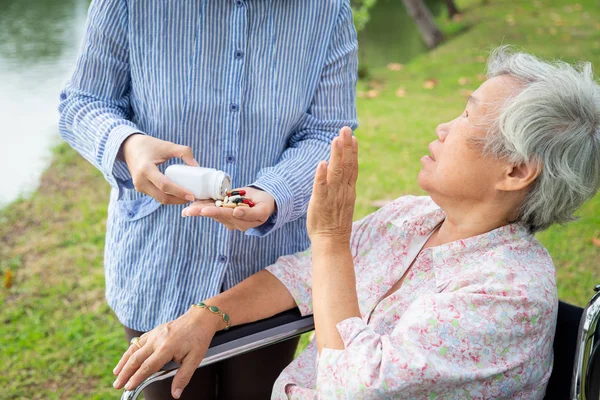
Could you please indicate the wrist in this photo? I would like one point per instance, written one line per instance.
(210, 316)
(123, 149)
(329, 245)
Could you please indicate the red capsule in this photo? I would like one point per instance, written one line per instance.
(249, 202)
(236, 192)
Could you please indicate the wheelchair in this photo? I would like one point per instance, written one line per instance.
(575, 374)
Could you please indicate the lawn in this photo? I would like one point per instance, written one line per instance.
(60, 340)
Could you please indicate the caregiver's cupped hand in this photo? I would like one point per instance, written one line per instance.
(142, 154)
(331, 205)
(184, 340)
(241, 218)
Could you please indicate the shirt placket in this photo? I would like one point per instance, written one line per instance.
(237, 56)
(237, 49)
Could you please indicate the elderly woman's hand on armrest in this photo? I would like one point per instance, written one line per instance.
(186, 339)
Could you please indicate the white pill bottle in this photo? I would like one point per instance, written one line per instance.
(204, 183)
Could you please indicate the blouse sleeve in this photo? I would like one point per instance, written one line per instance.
(467, 344)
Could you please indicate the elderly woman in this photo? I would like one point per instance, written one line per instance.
(448, 296)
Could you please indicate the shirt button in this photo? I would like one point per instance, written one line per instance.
(130, 214)
(239, 3)
(230, 159)
(222, 259)
(239, 54)
(234, 107)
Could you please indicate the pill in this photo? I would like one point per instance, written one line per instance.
(243, 205)
(218, 203)
(229, 205)
(249, 202)
(236, 192)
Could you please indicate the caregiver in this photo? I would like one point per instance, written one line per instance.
(258, 89)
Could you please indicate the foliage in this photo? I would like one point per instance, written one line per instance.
(360, 9)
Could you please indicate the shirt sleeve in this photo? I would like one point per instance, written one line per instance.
(333, 107)
(95, 115)
(465, 344)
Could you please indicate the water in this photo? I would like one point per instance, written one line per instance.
(39, 40)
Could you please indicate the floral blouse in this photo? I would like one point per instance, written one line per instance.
(474, 318)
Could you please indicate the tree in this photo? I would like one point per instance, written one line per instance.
(452, 9)
(432, 36)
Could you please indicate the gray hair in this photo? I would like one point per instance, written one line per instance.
(553, 120)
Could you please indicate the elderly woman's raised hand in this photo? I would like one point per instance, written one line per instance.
(331, 206)
(184, 340)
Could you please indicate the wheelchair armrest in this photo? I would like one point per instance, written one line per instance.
(239, 340)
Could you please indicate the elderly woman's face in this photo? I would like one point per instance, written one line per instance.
(456, 168)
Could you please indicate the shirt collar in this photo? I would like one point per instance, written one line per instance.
(449, 260)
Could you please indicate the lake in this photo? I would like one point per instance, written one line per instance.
(39, 40)
(38, 47)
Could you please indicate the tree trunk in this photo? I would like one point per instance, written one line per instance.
(452, 9)
(422, 16)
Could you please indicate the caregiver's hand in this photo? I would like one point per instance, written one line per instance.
(142, 154)
(241, 218)
(331, 205)
(184, 341)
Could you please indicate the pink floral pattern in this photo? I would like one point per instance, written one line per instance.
(474, 318)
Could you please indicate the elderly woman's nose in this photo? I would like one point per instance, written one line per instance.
(442, 131)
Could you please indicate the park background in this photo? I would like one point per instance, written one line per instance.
(58, 338)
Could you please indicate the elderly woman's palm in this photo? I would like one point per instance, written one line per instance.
(331, 206)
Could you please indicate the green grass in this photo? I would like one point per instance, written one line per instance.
(60, 340)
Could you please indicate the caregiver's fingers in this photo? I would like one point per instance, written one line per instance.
(151, 365)
(259, 213)
(194, 209)
(167, 186)
(223, 216)
(184, 374)
(334, 171)
(133, 363)
(161, 197)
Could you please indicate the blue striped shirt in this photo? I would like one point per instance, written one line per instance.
(257, 88)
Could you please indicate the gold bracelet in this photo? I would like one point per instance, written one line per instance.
(215, 310)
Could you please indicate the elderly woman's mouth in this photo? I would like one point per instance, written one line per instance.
(430, 156)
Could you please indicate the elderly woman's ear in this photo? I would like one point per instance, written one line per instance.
(518, 177)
